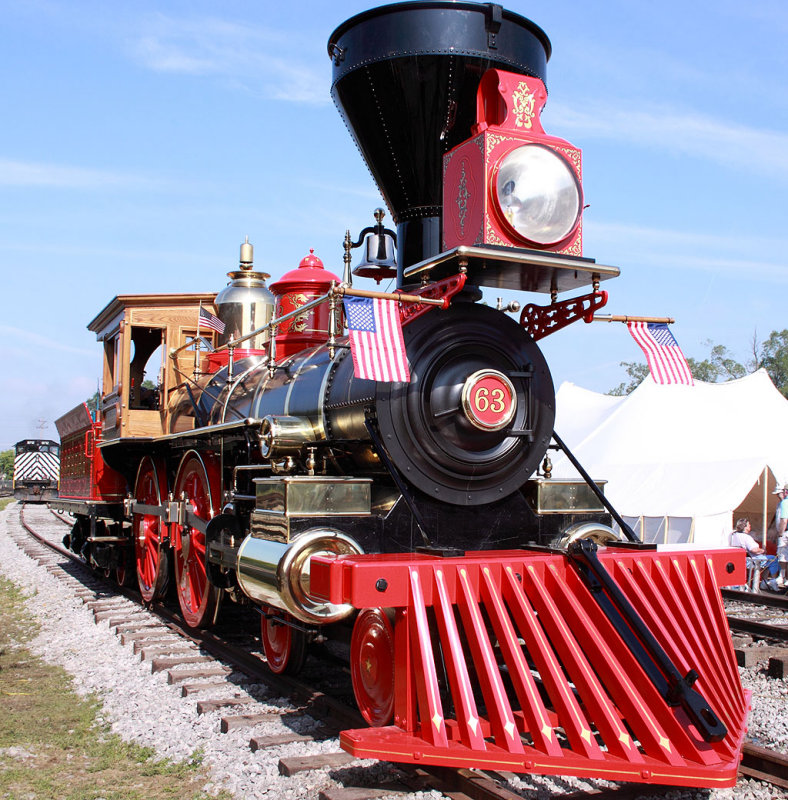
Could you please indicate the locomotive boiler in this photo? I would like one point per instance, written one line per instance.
(496, 617)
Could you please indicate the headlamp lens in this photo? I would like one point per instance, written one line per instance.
(539, 194)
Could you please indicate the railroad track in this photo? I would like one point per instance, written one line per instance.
(759, 614)
(221, 672)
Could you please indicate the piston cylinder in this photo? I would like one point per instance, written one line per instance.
(277, 573)
(284, 435)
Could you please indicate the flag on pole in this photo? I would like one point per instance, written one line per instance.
(208, 320)
(664, 356)
(376, 339)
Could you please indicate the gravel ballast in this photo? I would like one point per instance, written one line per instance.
(142, 707)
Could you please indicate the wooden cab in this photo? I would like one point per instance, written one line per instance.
(139, 332)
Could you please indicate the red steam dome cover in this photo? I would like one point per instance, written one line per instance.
(309, 270)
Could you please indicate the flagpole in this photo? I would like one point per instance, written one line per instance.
(765, 524)
(197, 337)
(620, 318)
(666, 362)
(346, 291)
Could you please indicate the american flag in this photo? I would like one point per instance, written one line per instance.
(208, 320)
(376, 339)
(664, 356)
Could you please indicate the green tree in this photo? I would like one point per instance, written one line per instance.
(7, 463)
(774, 359)
(719, 366)
(637, 371)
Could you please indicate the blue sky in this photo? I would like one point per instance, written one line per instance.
(141, 142)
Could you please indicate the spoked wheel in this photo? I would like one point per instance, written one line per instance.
(150, 553)
(284, 646)
(198, 483)
(372, 666)
(123, 573)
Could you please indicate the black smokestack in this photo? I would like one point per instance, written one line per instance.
(405, 80)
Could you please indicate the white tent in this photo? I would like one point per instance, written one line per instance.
(680, 461)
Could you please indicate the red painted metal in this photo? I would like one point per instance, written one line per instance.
(541, 321)
(504, 660)
(150, 531)
(221, 358)
(296, 288)
(444, 289)
(198, 482)
(83, 473)
(284, 646)
(372, 666)
(508, 116)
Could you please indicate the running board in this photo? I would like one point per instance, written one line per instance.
(509, 661)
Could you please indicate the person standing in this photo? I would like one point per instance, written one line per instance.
(781, 524)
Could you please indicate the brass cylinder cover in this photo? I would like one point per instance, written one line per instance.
(284, 435)
(277, 573)
(595, 531)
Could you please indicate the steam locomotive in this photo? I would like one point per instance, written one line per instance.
(497, 617)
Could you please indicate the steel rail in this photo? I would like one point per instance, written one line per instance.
(758, 763)
(756, 598)
(332, 712)
(762, 629)
(764, 765)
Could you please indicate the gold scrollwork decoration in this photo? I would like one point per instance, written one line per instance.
(524, 106)
(299, 323)
(493, 140)
(573, 155)
(492, 236)
(462, 200)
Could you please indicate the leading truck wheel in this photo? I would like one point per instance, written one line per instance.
(372, 666)
(283, 645)
(123, 574)
(150, 553)
(198, 483)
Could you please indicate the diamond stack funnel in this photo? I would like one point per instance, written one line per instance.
(404, 79)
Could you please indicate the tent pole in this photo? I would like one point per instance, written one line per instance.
(765, 503)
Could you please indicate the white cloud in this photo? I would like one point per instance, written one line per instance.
(59, 176)
(716, 253)
(648, 237)
(259, 60)
(22, 341)
(735, 146)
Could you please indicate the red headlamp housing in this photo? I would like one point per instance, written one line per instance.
(511, 184)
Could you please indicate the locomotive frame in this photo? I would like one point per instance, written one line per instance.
(495, 617)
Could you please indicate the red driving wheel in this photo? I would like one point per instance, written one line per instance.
(151, 556)
(372, 666)
(198, 483)
(284, 646)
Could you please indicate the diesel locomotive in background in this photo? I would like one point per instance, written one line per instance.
(36, 470)
(495, 616)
